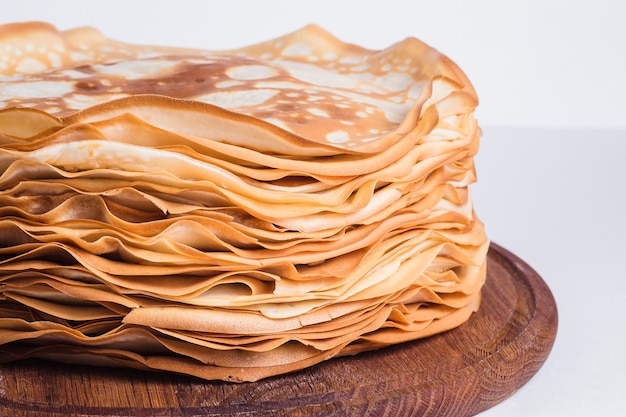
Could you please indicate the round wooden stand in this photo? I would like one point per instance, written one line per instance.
(457, 373)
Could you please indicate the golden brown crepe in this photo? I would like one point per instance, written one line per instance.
(231, 215)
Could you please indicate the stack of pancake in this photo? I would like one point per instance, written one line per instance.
(236, 214)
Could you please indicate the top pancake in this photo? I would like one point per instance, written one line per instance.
(319, 92)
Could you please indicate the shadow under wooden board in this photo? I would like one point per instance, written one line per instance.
(457, 374)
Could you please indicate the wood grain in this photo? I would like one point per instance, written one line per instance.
(457, 373)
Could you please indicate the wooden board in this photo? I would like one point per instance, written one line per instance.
(457, 373)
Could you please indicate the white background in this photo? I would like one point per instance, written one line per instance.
(551, 80)
(534, 62)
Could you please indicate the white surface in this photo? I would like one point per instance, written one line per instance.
(557, 199)
(533, 62)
